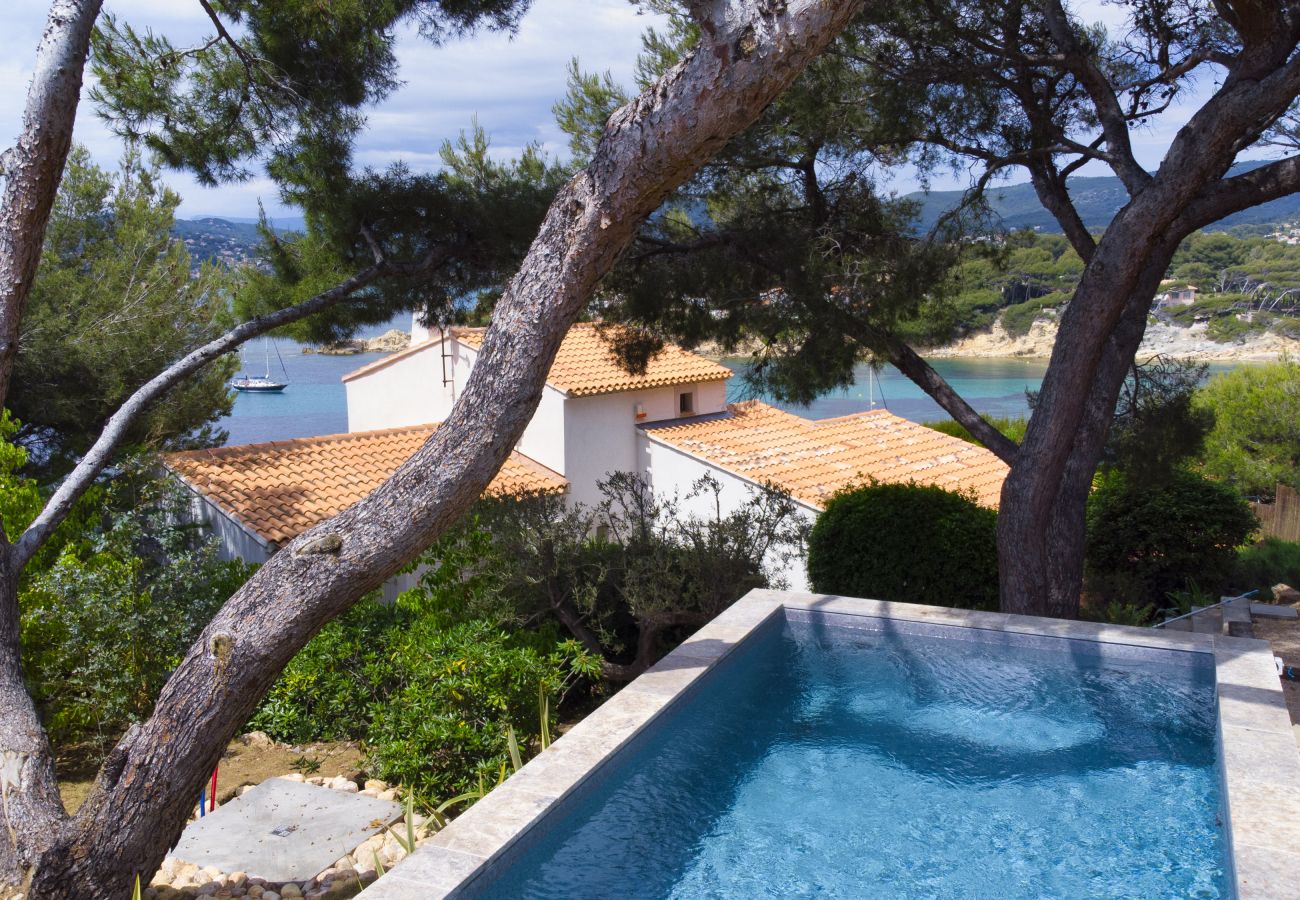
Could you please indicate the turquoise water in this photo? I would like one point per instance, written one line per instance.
(315, 402)
(831, 762)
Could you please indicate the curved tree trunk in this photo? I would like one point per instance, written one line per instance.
(32, 168)
(144, 791)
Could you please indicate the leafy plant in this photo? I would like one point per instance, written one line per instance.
(308, 765)
(1147, 540)
(106, 620)
(1012, 428)
(1269, 562)
(906, 542)
(1255, 442)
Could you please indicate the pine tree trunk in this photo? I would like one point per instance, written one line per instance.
(1042, 517)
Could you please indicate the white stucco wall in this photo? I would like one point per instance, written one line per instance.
(408, 391)
(600, 433)
(670, 471)
(547, 435)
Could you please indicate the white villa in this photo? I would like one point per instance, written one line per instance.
(671, 425)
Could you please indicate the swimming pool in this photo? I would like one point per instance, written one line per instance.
(834, 747)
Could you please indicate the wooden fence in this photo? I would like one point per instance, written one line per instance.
(1281, 518)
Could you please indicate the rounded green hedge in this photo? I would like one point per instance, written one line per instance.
(906, 542)
(1146, 540)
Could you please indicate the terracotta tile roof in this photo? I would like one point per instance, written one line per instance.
(814, 459)
(585, 364)
(278, 490)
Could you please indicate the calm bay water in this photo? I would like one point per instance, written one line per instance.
(315, 402)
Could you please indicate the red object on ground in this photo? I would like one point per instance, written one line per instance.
(212, 794)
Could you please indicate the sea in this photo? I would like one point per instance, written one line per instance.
(315, 402)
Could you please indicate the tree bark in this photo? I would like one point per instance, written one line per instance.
(651, 146)
(33, 167)
(1041, 516)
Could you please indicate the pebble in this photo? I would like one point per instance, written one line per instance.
(176, 879)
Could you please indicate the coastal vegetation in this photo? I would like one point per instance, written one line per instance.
(1245, 286)
(1255, 442)
(734, 197)
(523, 612)
(907, 543)
(787, 241)
(281, 88)
(116, 299)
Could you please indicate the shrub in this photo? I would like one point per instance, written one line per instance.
(106, 622)
(431, 682)
(445, 729)
(1265, 564)
(1255, 442)
(1146, 540)
(906, 542)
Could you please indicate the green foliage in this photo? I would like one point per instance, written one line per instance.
(1255, 442)
(1012, 428)
(1119, 613)
(116, 300)
(477, 214)
(432, 683)
(106, 621)
(285, 84)
(328, 691)
(437, 682)
(634, 575)
(432, 692)
(906, 542)
(1148, 539)
(466, 691)
(1261, 565)
(1157, 425)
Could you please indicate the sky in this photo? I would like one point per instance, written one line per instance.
(509, 82)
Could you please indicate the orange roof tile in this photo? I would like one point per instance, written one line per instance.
(812, 460)
(278, 490)
(586, 365)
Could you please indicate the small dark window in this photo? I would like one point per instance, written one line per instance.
(686, 403)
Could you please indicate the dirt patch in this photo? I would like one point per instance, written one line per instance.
(250, 759)
(1284, 636)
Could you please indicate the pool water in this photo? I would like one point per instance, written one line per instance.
(822, 760)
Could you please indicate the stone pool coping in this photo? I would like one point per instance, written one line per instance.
(1258, 759)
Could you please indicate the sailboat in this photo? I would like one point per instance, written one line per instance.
(263, 384)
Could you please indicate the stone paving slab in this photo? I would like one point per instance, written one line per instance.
(1269, 611)
(284, 830)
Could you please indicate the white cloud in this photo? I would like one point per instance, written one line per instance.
(508, 82)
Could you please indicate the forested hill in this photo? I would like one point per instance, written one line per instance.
(1098, 199)
(231, 240)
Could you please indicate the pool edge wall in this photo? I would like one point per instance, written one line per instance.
(1259, 766)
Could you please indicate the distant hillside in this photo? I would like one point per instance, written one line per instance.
(233, 240)
(1098, 199)
(218, 239)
